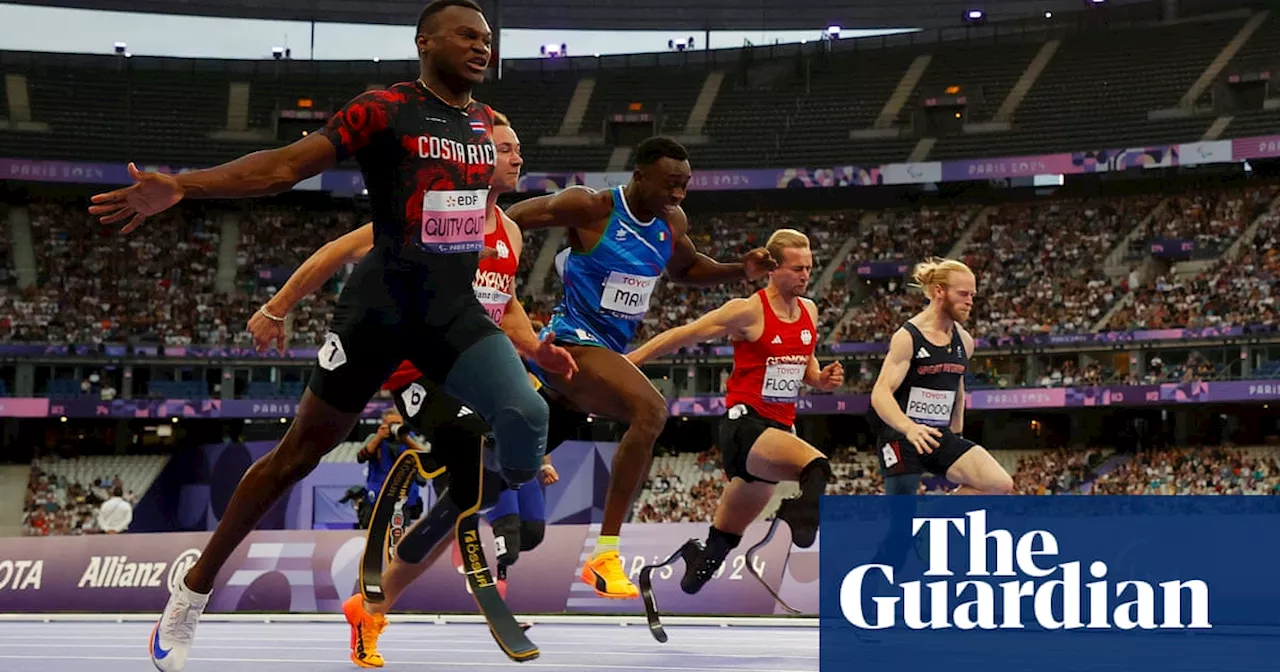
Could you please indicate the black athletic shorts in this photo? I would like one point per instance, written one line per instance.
(453, 429)
(377, 325)
(899, 457)
(739, 429)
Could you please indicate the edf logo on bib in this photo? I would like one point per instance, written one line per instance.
(464, 200)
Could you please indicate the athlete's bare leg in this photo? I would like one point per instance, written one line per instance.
(775, 456)
(609, 385)
(316, 430)
(779, 456)
(740, 505)
(399, 575)
(978, 473)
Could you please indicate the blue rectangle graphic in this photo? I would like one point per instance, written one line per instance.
(1049, 583)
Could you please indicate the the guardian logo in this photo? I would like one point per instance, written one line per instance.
(1046, 593)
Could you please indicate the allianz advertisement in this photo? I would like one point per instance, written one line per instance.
(1066, 583)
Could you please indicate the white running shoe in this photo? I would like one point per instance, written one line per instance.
(172, 637)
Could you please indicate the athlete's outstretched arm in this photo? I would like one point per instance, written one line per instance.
(258, 174)
(277, 170)
(320, 267)
(575, 207)
(731, 319)
(688, 266)
(267, 323)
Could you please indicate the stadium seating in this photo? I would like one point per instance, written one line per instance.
(1106, 82)
(788, 111)
(1040, 266)
(1231, 291)
(1260, 54)
(63, 495)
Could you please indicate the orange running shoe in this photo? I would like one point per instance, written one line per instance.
(604, 573)
(365, 629)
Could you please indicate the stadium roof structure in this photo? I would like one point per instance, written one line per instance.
(675, 15)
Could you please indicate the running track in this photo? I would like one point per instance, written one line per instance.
(32, 646)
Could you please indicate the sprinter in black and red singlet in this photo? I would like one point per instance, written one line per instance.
(919, 394)
(454, 432)
(425, 151)
(774, 334)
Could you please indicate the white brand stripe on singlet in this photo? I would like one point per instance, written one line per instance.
(622, 195)
(639, 237)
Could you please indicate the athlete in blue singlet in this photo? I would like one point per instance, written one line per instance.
(621, 241)
(607, 288)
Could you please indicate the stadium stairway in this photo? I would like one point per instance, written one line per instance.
(1004, 114)
(1211, 72)
(702, 106)
(893, 106)
(957, 250)
(13, 494)
(571, 124)
(24, 255)
(828, 273)
(1186, 269)
(1236, 248)
(1111, 464)
(1120, 304)
(225, 281)
(537, 284)
(865, 226)
(1116, 265)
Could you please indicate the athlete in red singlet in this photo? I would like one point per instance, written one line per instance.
(773, 338)
(769, 371)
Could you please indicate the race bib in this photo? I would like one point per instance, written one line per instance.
(930, 407)
(626, 295)
(453, 221)
(494, 302)
(782, 381)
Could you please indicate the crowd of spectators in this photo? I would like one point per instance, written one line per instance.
(1062, 471)
(1071, 371)
(727, 238)
(673, 497)
(1233, 291)
(160, 284)
(1213, 219)
(1040, 267)
(1055, 472)
(96, 286)
(56, 506)
(1194, 471)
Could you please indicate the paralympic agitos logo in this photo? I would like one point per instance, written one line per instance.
(1023, 579)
